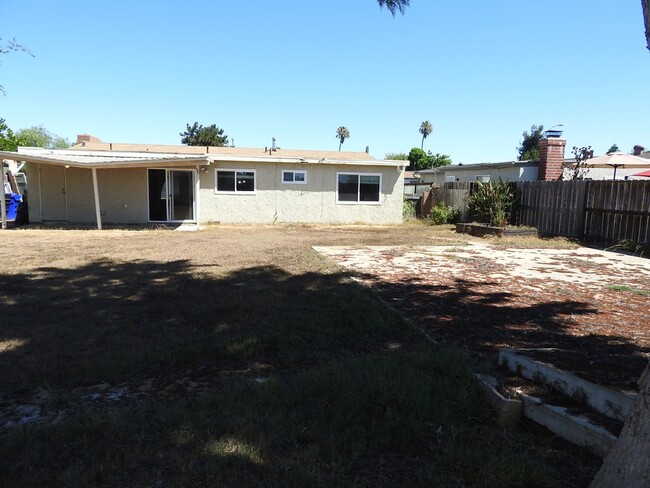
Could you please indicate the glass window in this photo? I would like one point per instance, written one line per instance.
(358, 187)
(245, 181)
(369, 188)
(235, 181)
(294, 176)
(225, 181)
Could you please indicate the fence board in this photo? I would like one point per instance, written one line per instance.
(596, 210)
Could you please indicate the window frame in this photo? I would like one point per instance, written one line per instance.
(235, 171)
(293, 182)
(358, 201)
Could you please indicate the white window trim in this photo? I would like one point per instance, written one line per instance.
(236, 170)
(294, 171)
(356, 173)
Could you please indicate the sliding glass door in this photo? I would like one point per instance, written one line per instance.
(171, 195)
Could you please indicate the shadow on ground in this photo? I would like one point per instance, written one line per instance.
(315, 383)
(484, 319)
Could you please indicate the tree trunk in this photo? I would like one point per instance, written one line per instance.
(646, 20)
(628, 463)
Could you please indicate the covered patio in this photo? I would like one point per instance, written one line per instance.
(88, 185)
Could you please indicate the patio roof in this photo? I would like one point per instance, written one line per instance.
(99, 159)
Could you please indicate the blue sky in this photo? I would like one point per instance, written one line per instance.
(480, 72)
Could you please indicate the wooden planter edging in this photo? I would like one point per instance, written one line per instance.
(487, 230)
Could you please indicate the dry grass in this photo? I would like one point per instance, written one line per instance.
(301, 376)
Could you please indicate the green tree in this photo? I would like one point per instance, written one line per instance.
(425, 129)
(10, 46)
(419, 159)
(197, 135)
(436, 160)
(613, 148)
(397, 156)
(7, 138)
(394, 5)
(342, 133)
(529, 147)
(39, 136)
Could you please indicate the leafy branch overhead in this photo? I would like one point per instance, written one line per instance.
(10, 46)
(394, 6)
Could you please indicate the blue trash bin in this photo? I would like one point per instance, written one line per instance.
(13, 200)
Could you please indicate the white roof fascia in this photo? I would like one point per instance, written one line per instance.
(296, 160)
(101, 162)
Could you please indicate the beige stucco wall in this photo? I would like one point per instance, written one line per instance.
(122, 194)
(315, 201)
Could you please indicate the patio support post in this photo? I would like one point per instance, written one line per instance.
(98, 214)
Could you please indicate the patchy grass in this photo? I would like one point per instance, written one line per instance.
(636, 291)
(532, 242)
(306, 379)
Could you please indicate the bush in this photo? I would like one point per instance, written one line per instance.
(408, 209)
(492, 203)
(442, 214)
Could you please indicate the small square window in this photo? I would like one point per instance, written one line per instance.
(299, 177)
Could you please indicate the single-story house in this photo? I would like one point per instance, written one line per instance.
(94, 181)
(552, 165)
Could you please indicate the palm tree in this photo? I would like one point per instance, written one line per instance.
(394, 5)
(342, 133)
(425, 129)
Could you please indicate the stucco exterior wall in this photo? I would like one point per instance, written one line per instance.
(315, 201)
(122, 194)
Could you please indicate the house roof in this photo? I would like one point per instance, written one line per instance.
(92, 159)
(473, 166)
(107, 155)
(241, 152)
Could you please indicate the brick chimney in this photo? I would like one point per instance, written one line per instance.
(84, 139)
(551, 158)
(638, 150)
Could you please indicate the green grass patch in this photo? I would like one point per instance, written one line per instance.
(400, 419)
(636, 291)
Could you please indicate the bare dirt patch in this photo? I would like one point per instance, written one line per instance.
(591, 302)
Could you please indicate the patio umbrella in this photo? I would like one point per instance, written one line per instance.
(643, 173)
(618, 160)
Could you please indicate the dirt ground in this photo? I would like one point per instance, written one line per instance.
(589, 306)
(483, 294)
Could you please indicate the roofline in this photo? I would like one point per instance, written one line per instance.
(138, 159)
(503, 164)
(130, 163)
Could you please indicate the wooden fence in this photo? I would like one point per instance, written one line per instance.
(611, 211)
(452, 194)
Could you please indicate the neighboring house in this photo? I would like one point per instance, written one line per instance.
(552, 165)
(137, 184)
(508, 170)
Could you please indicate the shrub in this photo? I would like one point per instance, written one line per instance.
(442, 214)
(492, 202)
(408, 209)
